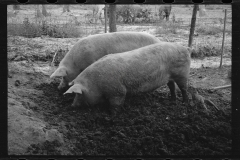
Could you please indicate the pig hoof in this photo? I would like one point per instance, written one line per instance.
(173, 101)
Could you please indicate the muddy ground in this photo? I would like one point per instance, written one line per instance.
(41, 121)
(149, 124)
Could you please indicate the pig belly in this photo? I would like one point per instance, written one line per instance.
(151, 84)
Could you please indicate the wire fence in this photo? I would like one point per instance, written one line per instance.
(84, 19)
(81, 21)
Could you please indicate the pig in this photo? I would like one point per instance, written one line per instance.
(89, 49)
(137, 71)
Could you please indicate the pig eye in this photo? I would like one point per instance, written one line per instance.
(71, 83)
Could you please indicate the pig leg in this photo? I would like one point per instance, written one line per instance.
(171, 86)
(116, 103)
(182, 84)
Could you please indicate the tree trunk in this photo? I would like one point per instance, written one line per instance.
(198, 7)
(112, 18)
(16, 7)
(66, 8)
(106, 17)
(39, 14)
(193, 22)
(44, 11)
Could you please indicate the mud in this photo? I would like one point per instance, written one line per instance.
(42, 122)
(149, 124)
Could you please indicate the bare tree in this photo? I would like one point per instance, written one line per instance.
(38, 14)
(193, 22)
(16, 7)
(66, 8)
(44, 11)
(112, 18)
(105, 17)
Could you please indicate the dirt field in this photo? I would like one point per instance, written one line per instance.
(149, 120)
(41, 120)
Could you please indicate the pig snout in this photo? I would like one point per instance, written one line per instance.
(62, 89)
(63, 86)
(77, 102)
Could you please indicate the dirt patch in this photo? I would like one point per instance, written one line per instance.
(42, 122)
(210, 77)
(25, 124)
(149, 124)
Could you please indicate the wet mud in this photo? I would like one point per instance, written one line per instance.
(148, 124)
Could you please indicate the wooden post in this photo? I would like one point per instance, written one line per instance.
(105, 16)
(44, 11)
(225, 17)
(193, 22)
(112, 18)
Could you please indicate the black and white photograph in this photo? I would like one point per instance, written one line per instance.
(119, 79)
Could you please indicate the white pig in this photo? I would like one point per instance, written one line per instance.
(140, 70)
(89, 49)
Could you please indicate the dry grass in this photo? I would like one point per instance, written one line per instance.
(31, 30)
(167, 27)
(205, 50)
(208, 30)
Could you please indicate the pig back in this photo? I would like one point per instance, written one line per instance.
(123, 41)
(91, 48)
(140, 70)
(96, 46)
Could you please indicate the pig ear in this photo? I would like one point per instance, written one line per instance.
(76, 88)
(60, 72)
(71, 83)
(189, 49)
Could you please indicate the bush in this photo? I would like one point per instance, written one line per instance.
(31, 30)
(59, 56)
(167, 27)
(61, 31)
(128, 12)
(208, 30)
(205, 50)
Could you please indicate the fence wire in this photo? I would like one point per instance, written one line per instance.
(81, 21)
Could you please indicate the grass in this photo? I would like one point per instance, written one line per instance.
(167, 27)
(208, 30)
(31, 30)
(205, 50)
(25, 30)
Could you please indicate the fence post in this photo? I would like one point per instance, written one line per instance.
(193, 22)
(105, 16)
(225, 17)
(112, 18)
